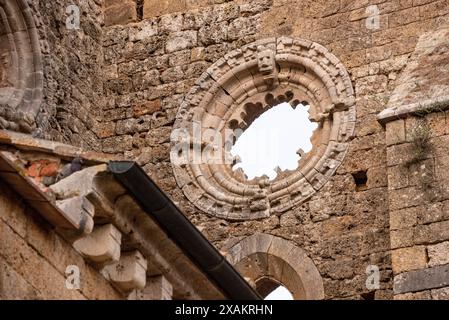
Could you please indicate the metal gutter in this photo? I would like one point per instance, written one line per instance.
(179, 229)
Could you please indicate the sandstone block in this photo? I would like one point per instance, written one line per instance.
(157, 288)
(120, 13)
(401, 238)
(145, 108)
(402, 219)
(432, 233)
(129, 273)
(395, 132)
(407, 259)
(13, 286)
(181, 40)
(102, 246)
(438, 254)
(423, 295)
(155, 8)
(440, 294)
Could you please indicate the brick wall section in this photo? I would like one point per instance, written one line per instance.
(33, 258)
(151, 65)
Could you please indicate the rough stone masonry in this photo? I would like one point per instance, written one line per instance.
(116, 85)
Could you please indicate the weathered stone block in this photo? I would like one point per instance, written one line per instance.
(432, 233)
(440, 294)
(433, 212)
(129, 273)
(395, 132)
(157, 288)
(181, 40)
(420, 280)
(197, 54)
(146, 29)
(30, 265)
(405, 218)
(407, 197)
(398, 177)
(438, 254)
(120, 13)
(102, 246)
(401, 238)
(407, 259)
(13, 286)
(155, 8)
(423, 295)
(145, 108)
(12, 211)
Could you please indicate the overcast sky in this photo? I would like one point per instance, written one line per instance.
(281, 293)
(273, 140)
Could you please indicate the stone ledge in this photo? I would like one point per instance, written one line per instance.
(420, 280)
(26, 142)
(426, 107)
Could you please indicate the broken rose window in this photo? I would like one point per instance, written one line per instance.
(263, 129)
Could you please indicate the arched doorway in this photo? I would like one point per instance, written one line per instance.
(270, 261)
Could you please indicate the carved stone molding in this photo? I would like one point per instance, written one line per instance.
(263, 256)
(21, 67)
(231, 94)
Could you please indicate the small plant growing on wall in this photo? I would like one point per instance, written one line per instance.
(420, 145)
(420, 136)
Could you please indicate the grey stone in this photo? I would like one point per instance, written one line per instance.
(419, 280)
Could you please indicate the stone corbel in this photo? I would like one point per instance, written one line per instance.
(128, 274)
(102, 246)
(80, 211)
(157, 288)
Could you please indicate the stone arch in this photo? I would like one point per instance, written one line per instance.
(230, 95)
(21, 67)
(263, 256)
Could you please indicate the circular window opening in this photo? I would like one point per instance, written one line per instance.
(275, 141)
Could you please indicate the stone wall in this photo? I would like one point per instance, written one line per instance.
(118, 89)
(151, 65)
(34, 259)
(417, 136)
(419, 207)
(73, 59)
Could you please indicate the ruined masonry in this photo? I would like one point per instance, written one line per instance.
(89, 110)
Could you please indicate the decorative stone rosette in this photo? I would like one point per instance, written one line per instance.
(230, 95)
(21, 68)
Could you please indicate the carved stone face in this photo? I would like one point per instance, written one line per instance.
(266, 61)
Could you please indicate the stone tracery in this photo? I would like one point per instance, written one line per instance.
(236, 90)
(21, 82)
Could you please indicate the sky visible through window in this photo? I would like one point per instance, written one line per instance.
(273, 139)
(280, 293)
